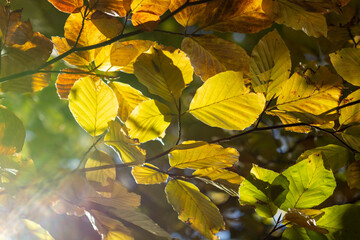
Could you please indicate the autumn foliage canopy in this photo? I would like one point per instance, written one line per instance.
(243, 122)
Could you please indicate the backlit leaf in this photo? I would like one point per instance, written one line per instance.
(66, 80)
(68, 6)
(158, 73)
(35, 231)
(108, 25)
(128, 98)
(312, 93)
(310, 183)
(197, 155)
(235, 16)
(93, 104)
(351, 136)
(128, 148)
(190, 15)
(334, 156)
(353, 175)
(224, 101)
(145, 175)
(270, 65)
(351, 114)
(300, 233)
(194, 208)
(255, 191)
(124, 54)
(347, 63)
(211, 55)
(117, 8)
(215, 173)
(104, 177)
(339, 220)
(146, 13)
(300, 218)
(12, 132)
(322, 6)
(148, 120)
(290, 14)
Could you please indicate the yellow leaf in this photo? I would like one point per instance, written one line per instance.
(12, 132)
(108, 25)
(347, 63)
(117, 8)
(224, 101)
(351, 136)
(353, 175)
(190, 15)
(158, 73)
(350, 114)
(211, 55)
(194, 208)
(93, 104)
(128, 98)
(235, 16)
(145, 175)
(322, 6)
(270, 65)
(311, 93)
(148, 120)
(124, 54)
(146, 13)
(215, 173)
(192, 154)
(104, 177)
(290, 14)
(128, 148)
(35, 231)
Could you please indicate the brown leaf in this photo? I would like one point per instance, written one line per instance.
(68, 6)
(107, 25)
(300, 218)
(117, 8)
(245, 16)
(321, 6)
(190, 15)
(66, 80)
(146, 13)
(211, 55)
(353, 175)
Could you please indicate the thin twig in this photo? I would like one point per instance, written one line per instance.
(82, 26)
(179, 123)
(89, 149)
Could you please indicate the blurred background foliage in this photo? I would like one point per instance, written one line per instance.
(55, 141)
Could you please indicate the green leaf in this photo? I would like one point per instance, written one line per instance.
(211, 55)
(300, 233)
(292, 15)
(334, 156)
(128, 148)
(197, 155)
(160, 75)
(12, 132)
(351, 136)
(347, 63)
(127, 97)
(194, 208)
(270, 65)
(350, 114)
(341, 221)
(313, 93)
(148, 120)
(256, 191)
(93, 104)
(310, 183)
(146, 175)
(353, 175)
(224, 101)
(104, 177)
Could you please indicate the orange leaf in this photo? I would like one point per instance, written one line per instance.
(66, 80)
(68, 6)
(107, 25)
(146, 13)
(117, 8)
